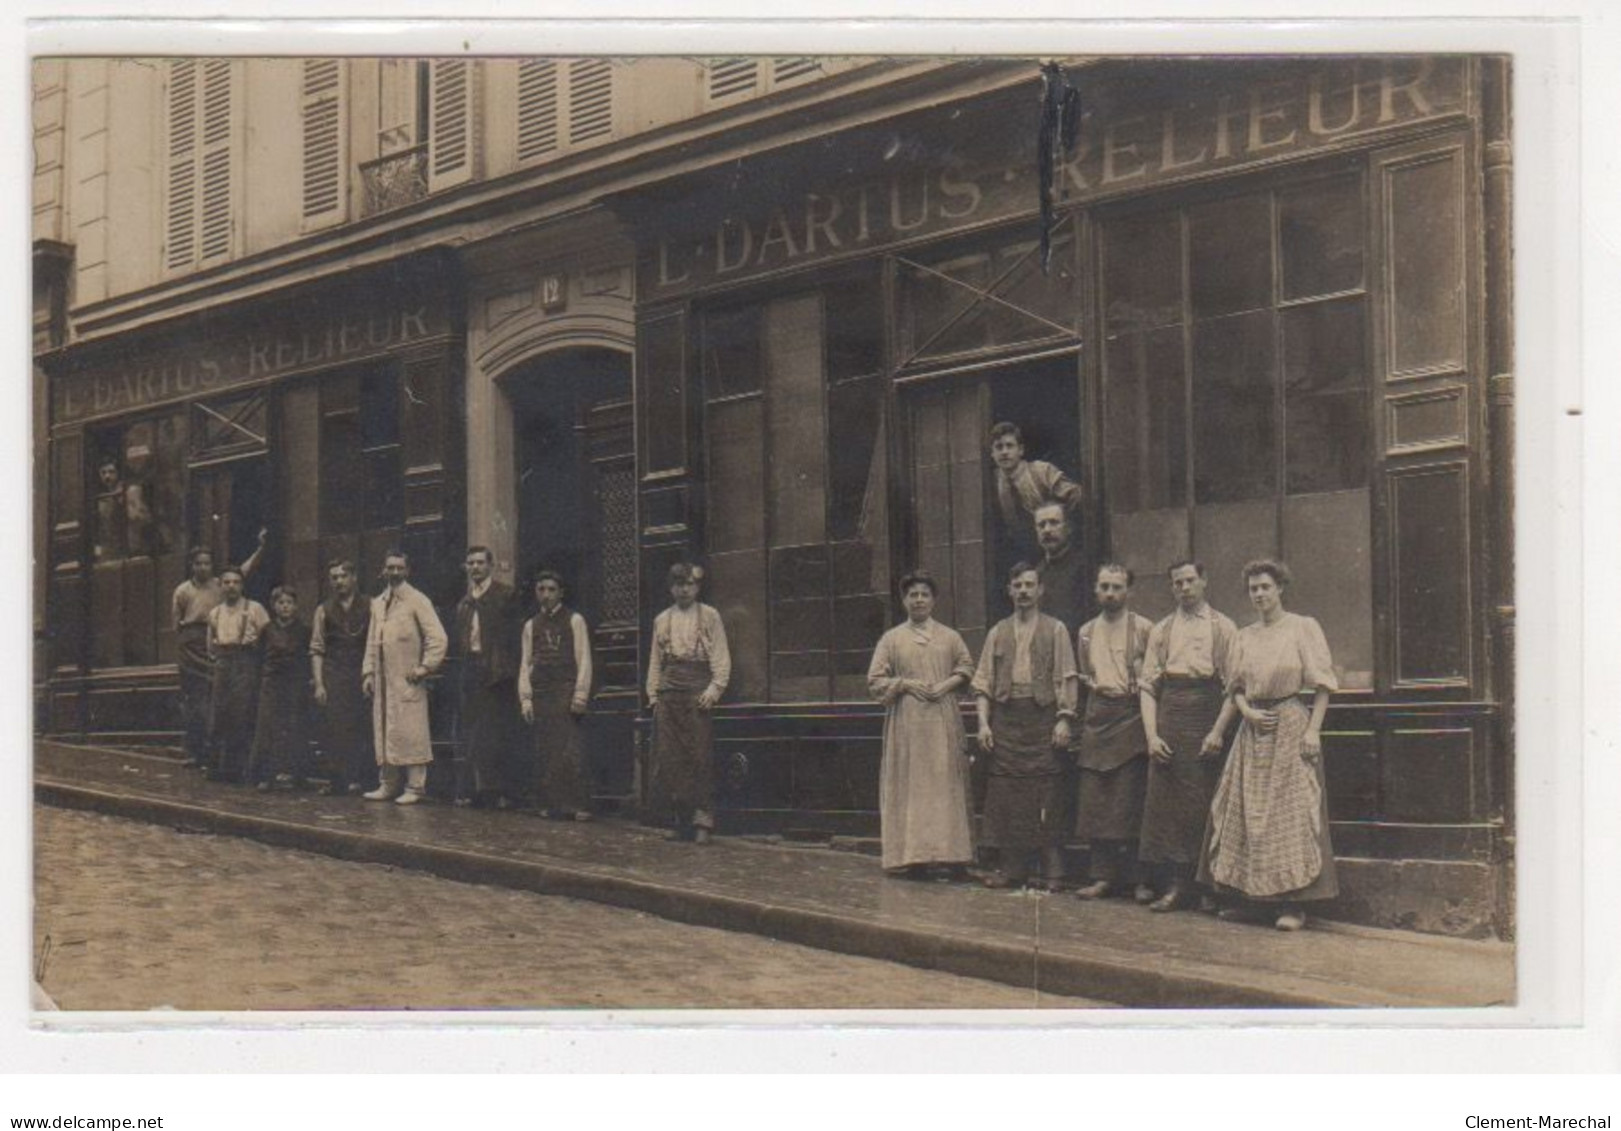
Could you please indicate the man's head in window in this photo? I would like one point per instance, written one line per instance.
(107, 472)
(1052, 529)
(1007, 446)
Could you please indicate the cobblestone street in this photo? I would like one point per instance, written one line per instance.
(134, 916)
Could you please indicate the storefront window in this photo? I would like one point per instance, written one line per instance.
(360, 453)
(797, 528)
(136, 477)
(1236, 397)
(137, 486)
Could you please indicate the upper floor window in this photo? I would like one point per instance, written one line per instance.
(200, 140)
(402, 105)
(732, 80)
(563, 104)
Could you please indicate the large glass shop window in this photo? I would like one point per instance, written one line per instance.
(797, 526)
(1236, 400)
(136, 478)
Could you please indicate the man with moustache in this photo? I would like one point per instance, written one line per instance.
(337, 651)
(487, 631)
(1113, 747)
(1061, 569)
(1182, 688)
(1024, 689)
(193, 600)
(234, 627)
(407, 645)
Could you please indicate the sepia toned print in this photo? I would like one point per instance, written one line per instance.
(1047, 524)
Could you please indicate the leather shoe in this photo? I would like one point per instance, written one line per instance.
(409, 797)
(381, 793)
(1172, 900)
(1001, 880)
(1143, 894)
(1291, 920)
(1097, 889)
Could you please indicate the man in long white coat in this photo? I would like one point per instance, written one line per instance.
(407, 646)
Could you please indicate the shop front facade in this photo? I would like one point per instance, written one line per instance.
(1271, 322)
(327, 415)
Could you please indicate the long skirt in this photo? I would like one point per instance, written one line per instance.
(923, 785)
(281, 735)
(561, 779)
(1267, 837)
(1023, 810)
(232, 709)
(681, 783)
(1178, 802)
(488, 737)
(346, 726)
(196, 680)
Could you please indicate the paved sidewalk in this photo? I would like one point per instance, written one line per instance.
(1112, 951)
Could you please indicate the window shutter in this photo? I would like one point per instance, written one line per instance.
(563, 106)
(322, 112)
(792, 69)
(539, 109)
(452, 139)
(733, 78)
(590, 98)
(180, 216)
(214, 238)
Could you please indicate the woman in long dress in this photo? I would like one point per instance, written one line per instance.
(923, 790)
(1266, 845)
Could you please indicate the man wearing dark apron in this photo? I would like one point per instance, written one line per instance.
(688, 670)
(1113, 748)
(193, 600)
(1182, 687)
(337, 650)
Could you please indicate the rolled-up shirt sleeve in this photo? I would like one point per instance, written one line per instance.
(985, 672)
(655, 661)
(1066, 681)
(582, 661)
(720, 654)
(318, 632)
(526, 694)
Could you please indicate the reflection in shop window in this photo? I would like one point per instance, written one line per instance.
(137, 477)
(1236, 397)
(798, 529)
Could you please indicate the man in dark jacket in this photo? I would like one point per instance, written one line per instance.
(486, 647)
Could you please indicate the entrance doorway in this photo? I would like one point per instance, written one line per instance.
(958, 533)
(574, 446)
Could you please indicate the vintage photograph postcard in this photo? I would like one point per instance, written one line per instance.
(816, 532)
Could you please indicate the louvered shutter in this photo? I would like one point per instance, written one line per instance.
(452, 135)
(215, 229)
(323, 148)
(539, 109)
(180, 207)
(590, 101)
(731, 79)
(793, 68)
